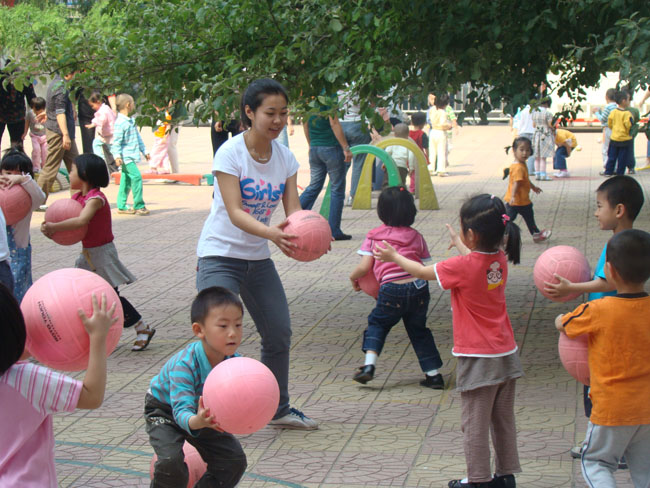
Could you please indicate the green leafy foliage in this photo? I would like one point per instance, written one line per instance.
(204, 52)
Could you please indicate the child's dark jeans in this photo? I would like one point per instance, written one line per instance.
(410, 302)
(559, 161)
(619, 154)
(221, 451)
(526, 211)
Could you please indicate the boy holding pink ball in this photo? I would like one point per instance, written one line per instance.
(32, 393)
(619, 423)
(174, 410)
(618, 202)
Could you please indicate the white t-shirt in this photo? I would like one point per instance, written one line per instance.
(525, 125)
(402, 156)
(262, 188)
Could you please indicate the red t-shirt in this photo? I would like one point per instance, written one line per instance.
(481, 324)
(100, 226)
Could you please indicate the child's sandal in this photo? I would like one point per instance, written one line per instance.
(143, 339)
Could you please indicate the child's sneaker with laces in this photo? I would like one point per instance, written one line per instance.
(295, 419)
(542, 235)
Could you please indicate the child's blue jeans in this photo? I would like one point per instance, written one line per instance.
(559, 161)
(408, 302)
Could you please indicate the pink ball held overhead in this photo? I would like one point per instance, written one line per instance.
(565, 261)
(314, 235)
(56, 335)
(242, 395)
(63, 210)
(15, 203)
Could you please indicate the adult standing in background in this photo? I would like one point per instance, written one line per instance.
(355, 134)
(59, 130)
(219, 131)
(525, 129)
(85, 115)
(13, 109)
(329, 152)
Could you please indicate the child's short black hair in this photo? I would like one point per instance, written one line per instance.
(441, 100)
(610, 93)
(418, 119)
(545, 102)
(396, 207)
(92, 169)
(486, 216)
(624, 190)
(15, 159)
(96, 97)
(620, 96)
(12, 333)
(520, 140)
(37, 103)
(629, 253)
(207, 299)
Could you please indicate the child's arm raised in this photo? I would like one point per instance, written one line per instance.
(87, 213)
(566, 287)
(97, 326)
(457, 242)
(364, 266)
(415, 269)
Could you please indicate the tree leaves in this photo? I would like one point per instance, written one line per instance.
(204, 52)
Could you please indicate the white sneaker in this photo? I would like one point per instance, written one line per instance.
(542, 236)
(348, 201)
(295, 419)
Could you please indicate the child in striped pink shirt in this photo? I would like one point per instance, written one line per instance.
(30, 394)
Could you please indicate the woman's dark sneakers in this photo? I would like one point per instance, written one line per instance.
(364, 374)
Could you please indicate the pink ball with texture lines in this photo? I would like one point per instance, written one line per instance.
(56, 335)
(369, 284)
(15, 203)
(314, 235)
(565, 261)
(195, 464)
(575, 357)
(63, 210)
(242, 395)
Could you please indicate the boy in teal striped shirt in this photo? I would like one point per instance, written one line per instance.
(174, 411)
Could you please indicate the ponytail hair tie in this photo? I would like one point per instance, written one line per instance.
(491, 197)
(505, 219)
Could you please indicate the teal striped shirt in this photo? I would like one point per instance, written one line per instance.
(180, 383)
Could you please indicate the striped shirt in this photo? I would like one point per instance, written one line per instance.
(29, 395)
(603, 115)
(180, 383)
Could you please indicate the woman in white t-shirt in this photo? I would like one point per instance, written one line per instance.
(253, 174)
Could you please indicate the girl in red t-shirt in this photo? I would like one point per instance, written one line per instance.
(88, 174)
(488, 363)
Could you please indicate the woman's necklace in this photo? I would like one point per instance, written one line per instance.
(253, 152)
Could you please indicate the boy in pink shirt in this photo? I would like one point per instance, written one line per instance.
(31, 393)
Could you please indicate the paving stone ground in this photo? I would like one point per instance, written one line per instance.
(389, 433)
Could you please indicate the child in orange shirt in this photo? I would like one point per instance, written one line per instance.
(517, 197)
(620, 419)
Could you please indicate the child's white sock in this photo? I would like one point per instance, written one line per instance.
(433, 372)
(371, 358)
(140, 326)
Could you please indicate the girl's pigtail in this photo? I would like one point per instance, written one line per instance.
(507, 148)
(512, 242)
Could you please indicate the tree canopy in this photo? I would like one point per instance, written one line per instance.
(206, 51)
